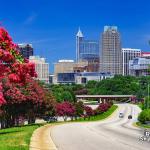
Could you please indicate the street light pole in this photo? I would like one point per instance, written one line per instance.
(148, 97)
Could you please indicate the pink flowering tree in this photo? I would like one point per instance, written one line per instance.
(20, 94)
(88, 112)
(103, 107)
(12, 64)
(65, 109)
(15, 72)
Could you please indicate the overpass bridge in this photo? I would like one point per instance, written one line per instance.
(102, 98)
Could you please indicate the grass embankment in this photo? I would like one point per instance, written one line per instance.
(142, 125)
(17, 138)
(141, 105)
(100, 116)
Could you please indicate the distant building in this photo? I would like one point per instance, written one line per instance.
(111, 54)
(145, 54)
(129, 54)
(68, 71)
(51, 78)
(81, 78)
(87, 50)
(84, 77)
(63, 66)
(26, 50)
(139, 67)
(41, 67)
(68, 66)
(66, 78)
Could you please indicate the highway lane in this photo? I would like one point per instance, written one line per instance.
(112, 134)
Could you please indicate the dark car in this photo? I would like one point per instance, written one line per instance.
(50, 119)
(130, 117)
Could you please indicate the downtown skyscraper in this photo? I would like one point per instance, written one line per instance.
(87, 50)
(111, 53)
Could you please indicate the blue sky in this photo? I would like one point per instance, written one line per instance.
(51, 25)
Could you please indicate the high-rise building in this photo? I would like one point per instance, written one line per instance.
(87, 50)
(127, 55)
(110, 54)
(41, 68)
(79, 40)
(26, 50)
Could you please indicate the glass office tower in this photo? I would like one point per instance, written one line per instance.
(87, 50)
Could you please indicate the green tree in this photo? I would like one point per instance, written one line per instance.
(67, 96)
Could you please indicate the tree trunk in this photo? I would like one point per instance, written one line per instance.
(65, 118)
(2, 124)
(31, 120)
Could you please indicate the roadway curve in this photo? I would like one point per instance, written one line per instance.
(111, 134)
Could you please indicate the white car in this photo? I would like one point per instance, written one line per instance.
(121, 115)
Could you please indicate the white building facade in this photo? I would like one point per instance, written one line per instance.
(84, 77)
(41, 67)
(127, 55)
(139, 67)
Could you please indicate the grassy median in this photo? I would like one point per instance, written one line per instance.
(100, 116)
(17, 138)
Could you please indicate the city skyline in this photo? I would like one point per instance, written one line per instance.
(73, 52)
(51, 26)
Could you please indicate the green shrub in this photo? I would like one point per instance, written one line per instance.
(79, 107)
(144, 116)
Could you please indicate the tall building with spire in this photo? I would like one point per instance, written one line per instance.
(111, 53)
(79, 40)
(87, 50)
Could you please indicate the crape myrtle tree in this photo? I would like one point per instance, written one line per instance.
(20, 95)
(65, 110)
(88, 112)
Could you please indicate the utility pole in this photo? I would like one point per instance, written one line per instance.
(148, 98)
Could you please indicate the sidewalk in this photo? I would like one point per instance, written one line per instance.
(41, 139)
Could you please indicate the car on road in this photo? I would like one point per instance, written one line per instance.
(50, 119)
(130, 117)
(121, 115)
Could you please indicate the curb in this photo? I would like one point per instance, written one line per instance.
(41, 139)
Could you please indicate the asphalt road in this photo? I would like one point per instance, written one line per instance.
(112, 134)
